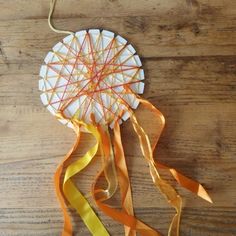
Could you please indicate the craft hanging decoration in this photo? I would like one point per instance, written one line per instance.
(91, 82)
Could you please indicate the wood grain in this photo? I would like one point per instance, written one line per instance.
(188, 50)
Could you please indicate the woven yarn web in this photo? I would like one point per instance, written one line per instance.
(92, 72)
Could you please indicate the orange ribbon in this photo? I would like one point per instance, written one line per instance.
(182, 180)
(126, 216)
(67, 229)
(115, 162)
(123, 178)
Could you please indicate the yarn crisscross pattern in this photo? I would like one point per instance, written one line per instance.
(92, 72)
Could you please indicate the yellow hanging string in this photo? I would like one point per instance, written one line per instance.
(52, 7)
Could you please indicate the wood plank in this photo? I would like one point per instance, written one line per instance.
(188, 53)
(113, 8)
(197, 102)
(171, 81)
(48, 221)
(152, 36)
(207, 149)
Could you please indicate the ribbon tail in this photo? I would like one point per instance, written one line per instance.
(108, 163)
(123, 178)
(101, 195)
(167, 190)
(182, 180)
(75, 197)
(67, 229)
(186, 182)
(126, 219)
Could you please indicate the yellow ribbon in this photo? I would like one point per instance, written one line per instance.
(71, 192)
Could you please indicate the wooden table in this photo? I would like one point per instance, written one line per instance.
(188, 50)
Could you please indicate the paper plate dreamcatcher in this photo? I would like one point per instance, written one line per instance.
(91, 82)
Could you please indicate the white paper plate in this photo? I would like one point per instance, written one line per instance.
(91, 72)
